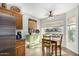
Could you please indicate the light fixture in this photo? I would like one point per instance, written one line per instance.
(50, 16)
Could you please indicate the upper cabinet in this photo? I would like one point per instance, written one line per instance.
(18, 20)
(13, 13)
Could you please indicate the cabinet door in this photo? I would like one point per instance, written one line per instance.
(18, 20)
(20, 51)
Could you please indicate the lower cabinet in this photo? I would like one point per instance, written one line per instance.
(20, 48)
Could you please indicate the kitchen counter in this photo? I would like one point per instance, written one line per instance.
(19, 39)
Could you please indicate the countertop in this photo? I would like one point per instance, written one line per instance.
(19, 39)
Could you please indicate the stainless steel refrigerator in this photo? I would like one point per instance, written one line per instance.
(7, 35)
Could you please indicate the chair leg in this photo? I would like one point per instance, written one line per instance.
(52, 49)
(48, 51)
(43, 52)
(60, 50)
(56, 49)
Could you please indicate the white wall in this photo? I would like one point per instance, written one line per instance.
(72, 45)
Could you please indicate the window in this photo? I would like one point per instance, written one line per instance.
(71, 29)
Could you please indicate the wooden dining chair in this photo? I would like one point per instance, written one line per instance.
(46, 43)
(58, 38)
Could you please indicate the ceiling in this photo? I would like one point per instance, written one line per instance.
(39, 10)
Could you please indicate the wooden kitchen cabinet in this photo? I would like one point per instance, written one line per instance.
(20, 48)
(18, 20)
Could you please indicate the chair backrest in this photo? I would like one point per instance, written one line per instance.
(46, 36)
(46, 41)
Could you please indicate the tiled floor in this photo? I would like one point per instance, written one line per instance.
(37, 51)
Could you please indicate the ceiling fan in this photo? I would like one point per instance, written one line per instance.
(50, 14)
